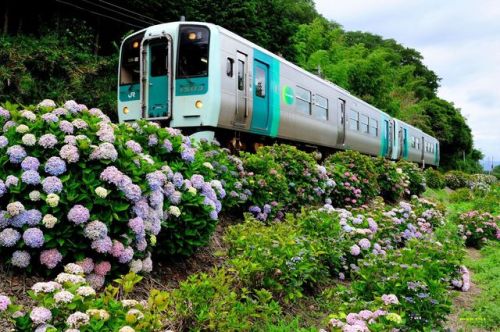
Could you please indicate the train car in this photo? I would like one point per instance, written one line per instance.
(208, 81)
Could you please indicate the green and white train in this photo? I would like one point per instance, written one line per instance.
(208, 81)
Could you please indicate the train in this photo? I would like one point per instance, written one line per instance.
(209, 82)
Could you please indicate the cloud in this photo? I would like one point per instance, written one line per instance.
(460, 41)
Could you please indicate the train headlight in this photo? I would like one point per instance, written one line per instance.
(192, 36)
(135, 44)
(125, 110)
(198, 104)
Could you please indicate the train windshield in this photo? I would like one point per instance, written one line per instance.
(130, 66)
(193, 51)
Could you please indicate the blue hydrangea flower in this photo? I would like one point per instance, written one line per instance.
(9, 237)
(167, 145)
(52, 185)
(33, 238)
(30, 164)
(31, 177)
(32, 217)
(55, 166)
(178, 180)
(16, 154)
(3, 188)
(47, 141)
(78, 214)
(3, 142)
(20, 258)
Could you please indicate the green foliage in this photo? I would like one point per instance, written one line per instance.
(456, 179)
(277, 257)
(485, 311)
(215, 302)
(354, 174)
(392, 180)
(477, 228)
(55, 66)
(415, 176)
(496, 171)
(434, 179)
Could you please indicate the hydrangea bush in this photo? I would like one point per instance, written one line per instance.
(434, 179)
(392, 180)
(476, 228)
(70, 304)
(69, 174)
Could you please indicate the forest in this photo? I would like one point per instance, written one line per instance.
(68, 50)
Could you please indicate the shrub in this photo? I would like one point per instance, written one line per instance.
(70, 303)
(277, 257)
(415, 176)
(68, 173)
(456, 179)
(360, 170)
(215, 302)
(476, 227)
(461, 195)
(434, 179)
(418, 274)
(392, 181)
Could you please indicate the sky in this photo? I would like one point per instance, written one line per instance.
(460, 42)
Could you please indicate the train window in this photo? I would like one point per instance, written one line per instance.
(260, 82)
(342, 110)
(353, 120)
(320, 108)
(193, 51)
(159, 55)
(303, 104)
(412, 142)
(130, 65)
(241, 75)
(373, 127)
(363, 123)
(418, 143)
(229, 67)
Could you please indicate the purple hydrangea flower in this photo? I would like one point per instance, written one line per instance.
(50, 258)
(364, 243)
(141, 209)
(175, 198)
(80, 124)
(70, 140)
(40, 315)
(126, 255)
(213, 215)
(55, 166)
(95, 281)
(20, 258)
(3, 142)
(33, 238)
(355, 250)
(11, 180)
(178, 179)
(134, 146)
(187, 153)
(60, 111)
(31, 217)
(136, 225)
(9, 237)
(169, 189)
(95, 230)
(133, 192)
(78, 214)
(3, 188)
(30, 177)
(254, 209)
(106, 133)
(112, 175)
(50, 117)
(4, 113)
(66, 127)
(197, 181)
(16, 154)
(152, 140)
(8, 125)
(69, 153)
(52, 185)
(47, 141)
(30, 164)
(167, 145)
(102, 246)
(156, 180)
(105, 151)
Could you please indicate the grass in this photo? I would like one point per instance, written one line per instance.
(485, 312)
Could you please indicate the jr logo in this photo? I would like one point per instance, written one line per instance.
(131, 95)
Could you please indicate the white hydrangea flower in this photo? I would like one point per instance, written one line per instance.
(129, 303)
(77, 319)
(45, 287)
(15, 208)
(126, 329)
(49, 221)
(73, 268)
(208, 165)
(192, 190)
(174, 210)
(63, 297)
(136, 266)
(34, 195)
(22, 129)
(101, 192)
(69, 278)
(85, 291)
(52, 200)
(29, 139)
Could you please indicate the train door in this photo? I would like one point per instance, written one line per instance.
(341, 123)
(157, 80)
(241, 90)
(386, 141)
(260, 115)
(423, 151)
(405, 143)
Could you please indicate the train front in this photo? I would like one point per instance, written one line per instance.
(164, 76)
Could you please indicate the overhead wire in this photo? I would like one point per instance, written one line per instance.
(128, 16)
(102, 15)
(130, 11)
